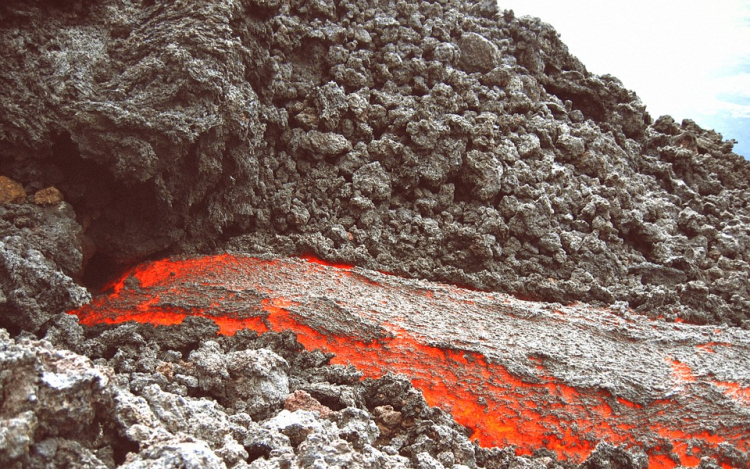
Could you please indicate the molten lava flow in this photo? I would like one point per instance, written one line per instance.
(459, 346)
(314, 260)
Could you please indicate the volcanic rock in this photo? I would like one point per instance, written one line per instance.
(477, 53)
(48, 196)
(133, 410)
(11, 191)
(252, 381)
(41, 251)
(301, 400)
(440, 140)
(50, 397)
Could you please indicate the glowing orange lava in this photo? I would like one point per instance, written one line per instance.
(500, 407)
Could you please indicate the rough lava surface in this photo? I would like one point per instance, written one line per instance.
(444, 140)
(533, 375)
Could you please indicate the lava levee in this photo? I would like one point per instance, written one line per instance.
(500, 408)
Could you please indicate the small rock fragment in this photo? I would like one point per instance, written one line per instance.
(48, 196)
(11, 191)
(301, 400)
(184, 454)
(327, 143)
(295, 425)
(372, 180)
(478, 54)
(387, 419)
(16, 436)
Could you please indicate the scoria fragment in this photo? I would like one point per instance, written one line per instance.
(534, 375)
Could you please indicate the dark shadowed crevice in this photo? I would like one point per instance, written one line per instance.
(331, 402)
(12, 328)
(100, 271)
(126, 222)
(121, 447)
(637, 242)
(257, 451)
(583, 100)
(462, 190)
(198, 393)
(236, 229)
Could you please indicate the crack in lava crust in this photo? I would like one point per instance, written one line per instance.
(514, 372)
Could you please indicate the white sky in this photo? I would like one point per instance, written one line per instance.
(688, 58)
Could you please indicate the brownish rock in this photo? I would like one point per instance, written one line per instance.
(11, 191)
(387, 419)
(48, 196)
(301, 400)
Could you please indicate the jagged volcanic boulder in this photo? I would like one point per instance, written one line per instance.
(50, 401)
(41, 253)
(443, 140)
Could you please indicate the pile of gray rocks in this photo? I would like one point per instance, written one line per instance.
(443, 139)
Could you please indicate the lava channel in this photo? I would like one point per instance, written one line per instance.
(514, 372)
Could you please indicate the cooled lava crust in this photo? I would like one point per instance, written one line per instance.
(533, 375)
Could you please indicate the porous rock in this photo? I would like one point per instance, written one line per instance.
(11, 191)
(48, 196)
(478, 54)
(301, 400)
(184, 454)
(41, 249)
(424, 130)
(254, 381)
(50, 396)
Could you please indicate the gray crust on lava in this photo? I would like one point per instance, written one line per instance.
(443, 140)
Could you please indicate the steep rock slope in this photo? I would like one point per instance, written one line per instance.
(443, 140)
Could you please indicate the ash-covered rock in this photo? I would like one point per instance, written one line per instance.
(442, 140)
(254, 381)
(52, 400)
